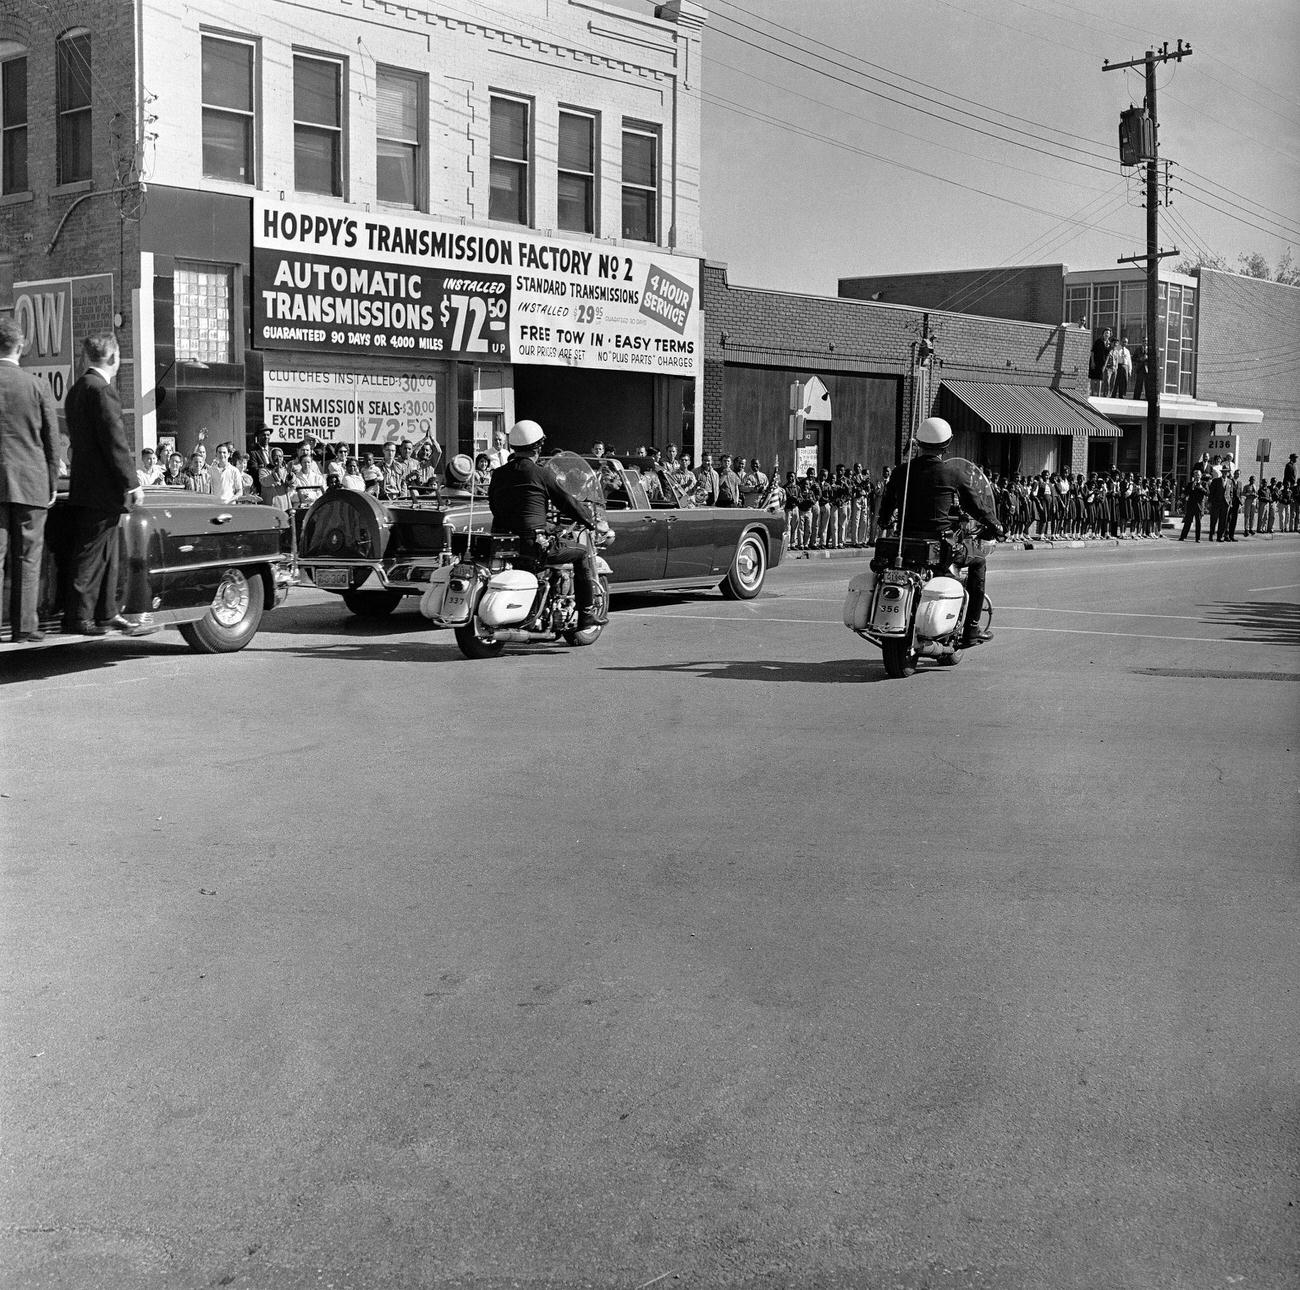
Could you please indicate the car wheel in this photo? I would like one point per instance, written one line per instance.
(472, 645)
(233, 619)
(744, 579)
(590, 635)
(372, 604)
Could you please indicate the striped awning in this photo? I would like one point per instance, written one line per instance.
(1026, 409)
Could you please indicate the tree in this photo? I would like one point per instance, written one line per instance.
(1249, 265)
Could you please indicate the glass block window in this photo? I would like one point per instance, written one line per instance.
(318, 126)
(576, 181)
(13, 126)
(228, 112)
(509, 144)
(399, 137)
(72, 99)
(203, 313)
(640, 185)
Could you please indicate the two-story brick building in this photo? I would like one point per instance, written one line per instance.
(362, 221)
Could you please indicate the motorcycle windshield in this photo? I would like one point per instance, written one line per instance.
(576, 477)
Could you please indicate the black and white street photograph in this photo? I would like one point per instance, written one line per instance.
(649, 645)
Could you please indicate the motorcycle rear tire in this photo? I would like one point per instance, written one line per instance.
(900, 661)
(472, 645)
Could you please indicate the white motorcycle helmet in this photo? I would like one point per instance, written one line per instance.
(934, 431)
(524, 434)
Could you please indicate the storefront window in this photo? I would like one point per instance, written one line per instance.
(202, 313)
(1132, 312)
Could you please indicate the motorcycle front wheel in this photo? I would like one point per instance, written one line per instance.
(900, 658)
(472, 645)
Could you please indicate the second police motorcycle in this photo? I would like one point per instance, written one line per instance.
(490, 601)
(913, 602)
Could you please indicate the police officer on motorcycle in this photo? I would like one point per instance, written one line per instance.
(518, 495)
(936, 491)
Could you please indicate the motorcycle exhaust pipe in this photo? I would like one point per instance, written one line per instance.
(514, 636)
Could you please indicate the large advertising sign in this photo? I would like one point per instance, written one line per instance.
(55, 314)
(351, 407)
(403, 286)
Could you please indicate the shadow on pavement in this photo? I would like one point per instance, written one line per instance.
(1267, 622)
(831, 672)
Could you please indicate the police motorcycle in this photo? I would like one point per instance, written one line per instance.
(912, 603)
(490, 602)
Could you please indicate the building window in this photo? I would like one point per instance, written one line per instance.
(399, 136)
(72, 96)
(203, 313)
(228, 111)
(13, 126)
(576, 187)
(318, 125)
(640, 185)
(1133, 312)
(508, 199)
(1105, 307)
(1078, 305)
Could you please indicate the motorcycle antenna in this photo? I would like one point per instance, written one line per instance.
(907, 479)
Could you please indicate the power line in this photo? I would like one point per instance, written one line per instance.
(729, 106)
(913, 107)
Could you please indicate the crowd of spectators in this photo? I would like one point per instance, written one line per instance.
(1052, 506)
(824, 510)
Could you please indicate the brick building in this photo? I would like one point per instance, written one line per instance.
(1015, 392)
(1226, 379)
(361, 221)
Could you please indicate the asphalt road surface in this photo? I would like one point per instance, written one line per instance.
(707, 956)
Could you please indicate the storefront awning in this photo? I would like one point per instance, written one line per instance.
(1178, 409)
(1027, 409)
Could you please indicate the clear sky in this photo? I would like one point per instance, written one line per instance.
(812, 173)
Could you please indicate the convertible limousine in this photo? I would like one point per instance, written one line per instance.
(186, 560)
(373, 553)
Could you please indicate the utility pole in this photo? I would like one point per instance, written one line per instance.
(1153, 256)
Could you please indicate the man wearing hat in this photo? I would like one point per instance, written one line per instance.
(936, 489)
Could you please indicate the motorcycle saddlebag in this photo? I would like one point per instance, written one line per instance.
(431, 601)
(857, 601)
(940, 607)
(507, 598)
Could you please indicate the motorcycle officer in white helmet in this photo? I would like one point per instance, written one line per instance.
(936, 491)
(518, 496)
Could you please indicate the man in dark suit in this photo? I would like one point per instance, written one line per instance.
(29, 478)
(103, 487)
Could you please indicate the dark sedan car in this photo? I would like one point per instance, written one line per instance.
(186, 560)
(373, 553)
